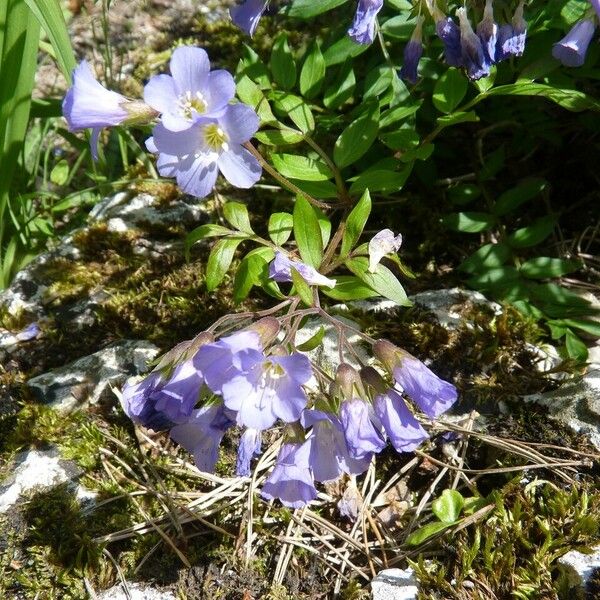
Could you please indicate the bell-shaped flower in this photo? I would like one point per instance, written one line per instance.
(449, 32)
(201, 435)
(191, 91)
(473, 56)
(596, 6)
(157, 403)
(291, 480)
(402, 428)
(382, 244)
(250, 444)
(247, 14)
(281, 267)
(431, 394)
(88, 104)
(363, 438)
(365, 20)
(412, 54)
(487, 30)
(512, 37)
(571, 50)
(195, 155)
(329, 455)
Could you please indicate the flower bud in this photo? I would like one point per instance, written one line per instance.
(346, 379)
(372, 378)
(267, 328)
(387, 353)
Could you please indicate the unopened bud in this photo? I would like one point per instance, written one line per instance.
(267, 328)
(387, 353)
(371, 378)
(346, 378)
(293, 433)
(182, 352)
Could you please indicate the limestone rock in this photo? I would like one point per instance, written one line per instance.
(395, 584)
(577, 569)
(89, 379)
(135, 591)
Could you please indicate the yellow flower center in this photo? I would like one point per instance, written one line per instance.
(215, 138)
(192, 103)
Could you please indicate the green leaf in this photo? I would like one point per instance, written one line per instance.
(307, 232)
(457, 118)
(398, 113)
(533, 234)
(469, 222)
(342, 50)
(590, 327)
(237, 216)
(416, 538)
(249, 93)
(487, 257)
(313, 341)
(301, 288)
(381, 180)
(463, 193)
(356, 223)
(50, 16)
(203, 232)
(513, 198)
(313, 72)
(219, 261)
(544, 267)
(449, 90)
(295, 109)
(280, 227)
(60, 173)
(324, 224)
(301, 167)
(383, 281)
(252, 272)
(357, 138)
(279, 137)
(349, 287)
(282, 63)
(448, 506)
(306, 9)
(341, 89)
(576, 349)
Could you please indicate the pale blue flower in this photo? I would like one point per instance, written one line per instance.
(247, 14)
(571, 50)
(365, 20)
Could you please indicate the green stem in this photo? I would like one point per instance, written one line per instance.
(339, 181)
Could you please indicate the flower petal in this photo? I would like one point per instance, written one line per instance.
(239, 167)
(197, 175)
(190, 67)
(160, 93)
(221, 90)
(239, 122)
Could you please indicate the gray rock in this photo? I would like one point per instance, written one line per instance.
(35, 470)
(395, 584)
(577, 570)
(88, 380)
(135, 591)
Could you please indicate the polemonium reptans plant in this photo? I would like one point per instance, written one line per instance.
(252, 375)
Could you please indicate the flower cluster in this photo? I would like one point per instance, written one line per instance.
(571, 50)
(249, 379)
(200, 132)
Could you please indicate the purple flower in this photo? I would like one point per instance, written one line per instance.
(158, 404)
(250, 443)
(511, 38)
(382, 244)
(329, 456)
(412, 54)
(201, 435)
(487, 30)
(88, 104)
(195, 155)
(362, 437)
(363, 27)
(571, 50)
(399, 423)
(449, 32)
(247, 15)
(596, 5)
(267, 388)
(473, 56)
(291, 480)
(191, 91)
(29, 333)
(281, 267)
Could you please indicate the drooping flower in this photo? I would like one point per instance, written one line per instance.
(571, 50)
(29, 333)
(247, 14)
(363, 26)
(267, 388)
(281, 267)
(329, 456)
(412, 53)
(362, 437)
(402, 428)
(158, 404)
(191, 91)
(250, 444)
(432, 394)
(291, 480)
(382, 244)
(201, 435)
(195, 155)
(88, 104)
(473, 57)
(512, 37)
(596, 6)
(449, 32)
(487, 30)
